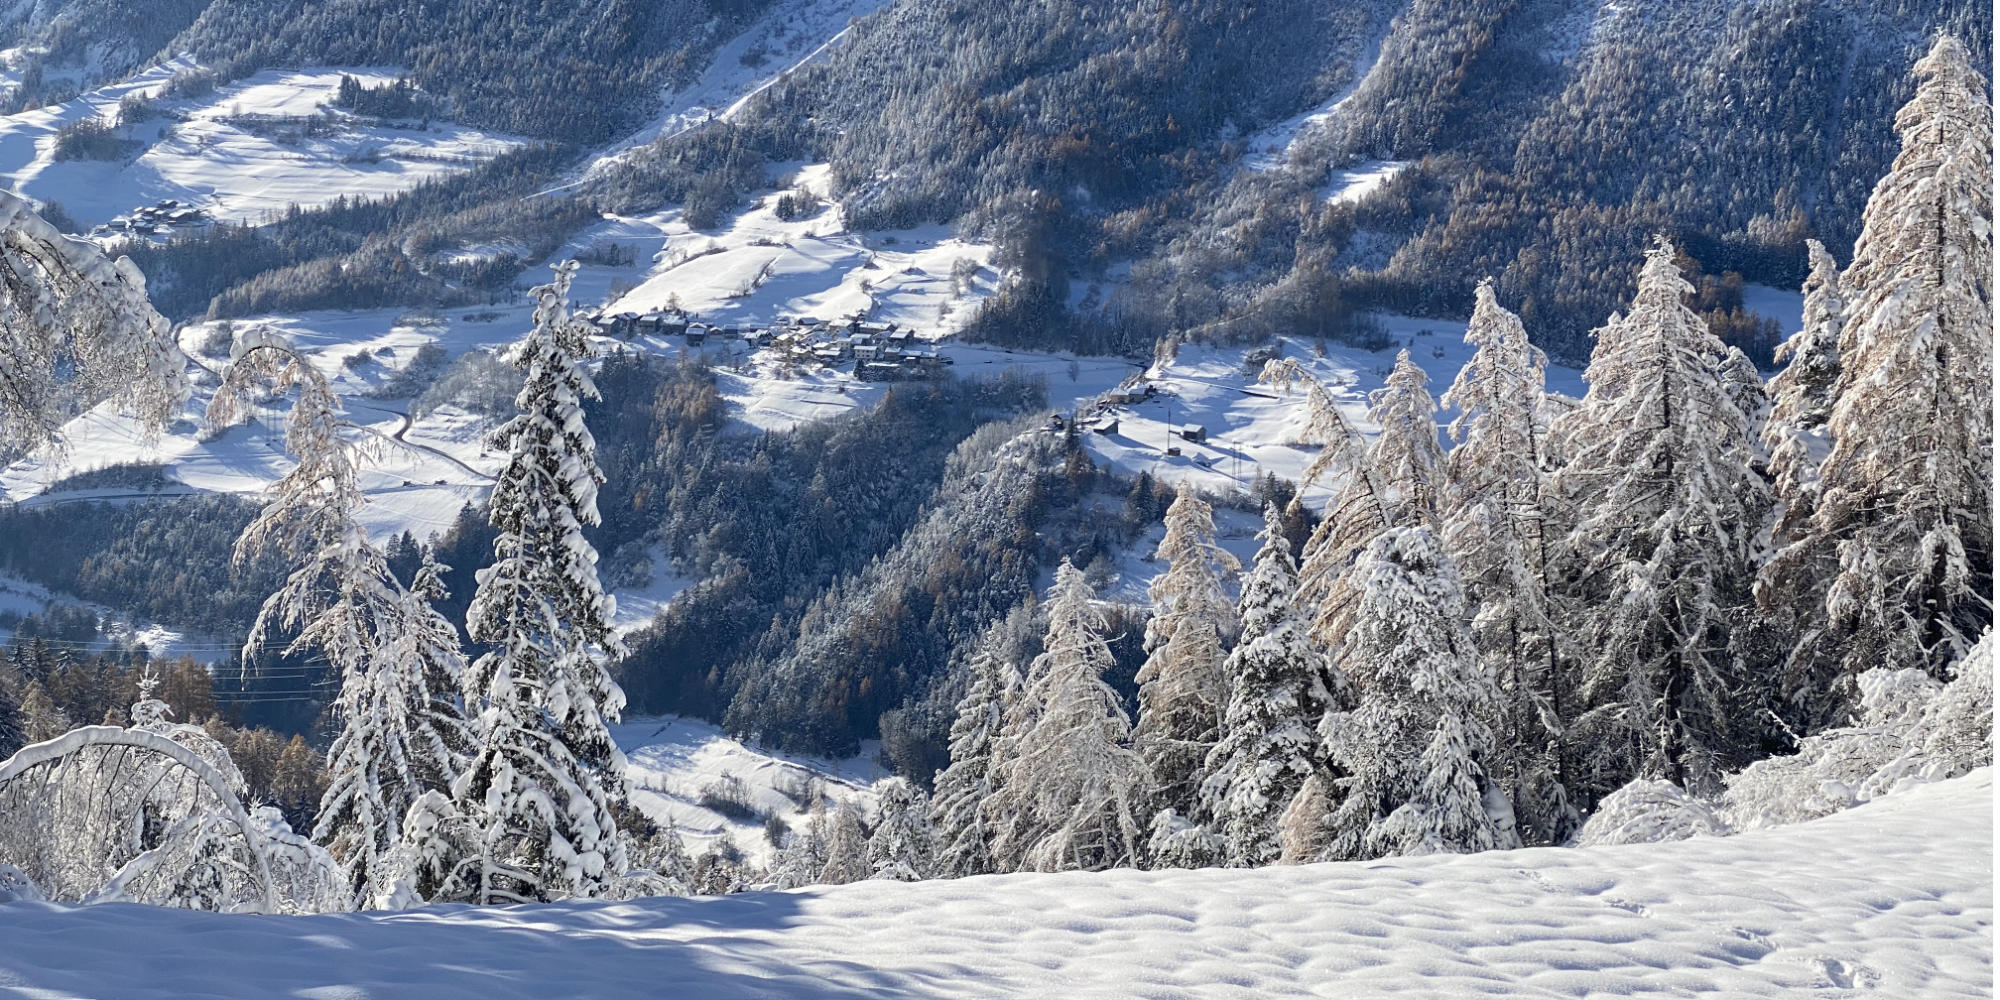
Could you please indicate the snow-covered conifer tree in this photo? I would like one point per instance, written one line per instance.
(1666, 509)
(903, 846)
(13, 723)
(1182, 688)
(546, 774)
(1495, 528)
(1393, 483)
(1360, 506)
(1904, 513)
(1416, 738)
(1269, 747)
(963, 787)
(1064, 761)
(1802, 396)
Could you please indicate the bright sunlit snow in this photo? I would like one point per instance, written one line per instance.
(236, 154)
(1892, 899)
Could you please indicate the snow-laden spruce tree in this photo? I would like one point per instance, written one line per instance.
(401, 731)
(904, 845)
(1904, 514)
(1269, 747)
(1182, 688)
(1064, 764)
(1802, 397)
(1414, 753)
(965, 842)
(1665, 509)
(546, 775)
(1495, 528)
(75, 328)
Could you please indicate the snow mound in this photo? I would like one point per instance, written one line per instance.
(1895, 896)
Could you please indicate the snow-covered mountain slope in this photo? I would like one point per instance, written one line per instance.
(240, 154)
(1892, 899)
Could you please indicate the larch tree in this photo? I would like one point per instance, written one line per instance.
(1666, 509)
(1496, 530)
(958, 812)
(1393, 483)
(1415, 752)
(1183, 690)
(1406, 455)
(543, 786)
(401, 733)
(1305, 828)
(1904, 512)
(1064, 762)
(1270, 747)
(846, 847)
(1360, 506)
(76, 328)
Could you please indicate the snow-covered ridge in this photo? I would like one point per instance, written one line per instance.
(1894, 897)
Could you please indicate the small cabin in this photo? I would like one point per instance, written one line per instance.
(1056, 422)
(1106, 426)
(696, 334)
(1193, 432)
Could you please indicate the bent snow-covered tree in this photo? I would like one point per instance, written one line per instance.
(542, 790)
(76, 328)
(401, 732)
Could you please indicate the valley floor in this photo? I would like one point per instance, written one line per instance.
(1894, 898)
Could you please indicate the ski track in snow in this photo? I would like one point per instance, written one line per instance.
(1893, 899)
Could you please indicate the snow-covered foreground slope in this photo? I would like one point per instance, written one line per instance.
(1894, 898)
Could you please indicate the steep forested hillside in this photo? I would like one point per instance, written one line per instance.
(576, 73)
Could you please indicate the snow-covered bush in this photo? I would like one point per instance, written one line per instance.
(304, 876)
(1911, 730)
(1646, 812)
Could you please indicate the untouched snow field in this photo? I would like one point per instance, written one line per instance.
(229, 153)
(1892, 899)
